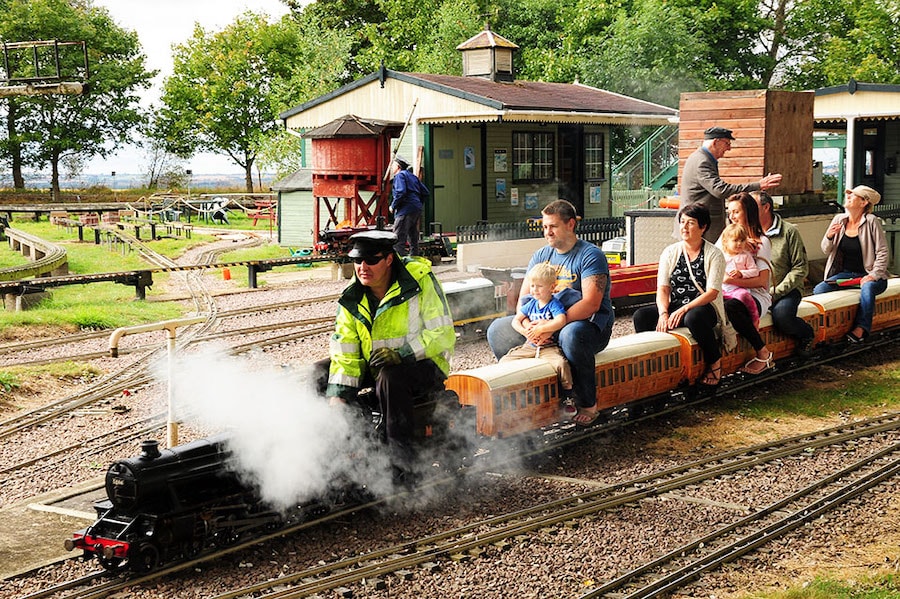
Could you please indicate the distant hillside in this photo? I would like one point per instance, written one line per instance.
(137, 180)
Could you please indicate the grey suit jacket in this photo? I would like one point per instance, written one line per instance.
(700, 183)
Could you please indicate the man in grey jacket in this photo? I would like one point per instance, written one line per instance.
(700, 181)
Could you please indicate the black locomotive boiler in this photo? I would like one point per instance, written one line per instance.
(171, 504)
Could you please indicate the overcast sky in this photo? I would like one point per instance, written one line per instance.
(159, 24)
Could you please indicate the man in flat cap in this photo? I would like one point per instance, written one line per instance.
(700, 181)
(393, 331)
(408, 198)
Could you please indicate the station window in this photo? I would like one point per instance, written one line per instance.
(594, 155)
(533, 156)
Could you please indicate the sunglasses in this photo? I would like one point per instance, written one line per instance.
(371, 261)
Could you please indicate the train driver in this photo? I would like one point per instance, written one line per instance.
(583, 286)
(393, 329)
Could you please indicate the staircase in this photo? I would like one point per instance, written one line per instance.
(651, 165)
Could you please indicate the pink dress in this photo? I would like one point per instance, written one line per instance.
(745, 263)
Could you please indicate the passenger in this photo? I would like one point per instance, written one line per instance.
(541, 307)
(583, 284)
(688, 286)
(393, 330)
(743, 210)
(701, 183)
(789, 270)
(857, 255)
(740, 263)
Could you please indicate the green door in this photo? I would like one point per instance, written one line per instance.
(458, 165)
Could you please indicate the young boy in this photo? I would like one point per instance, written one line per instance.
(541, 307)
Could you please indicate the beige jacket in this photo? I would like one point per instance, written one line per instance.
(872, 241)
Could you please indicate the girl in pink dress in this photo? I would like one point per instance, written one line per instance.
(740, 263)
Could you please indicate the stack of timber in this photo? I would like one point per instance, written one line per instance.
(773, 133)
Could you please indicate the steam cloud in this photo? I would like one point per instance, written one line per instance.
(288, 441)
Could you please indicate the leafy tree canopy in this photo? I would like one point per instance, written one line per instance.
(95, 123)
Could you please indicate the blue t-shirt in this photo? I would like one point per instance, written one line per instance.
(582, 261)
(533, 310)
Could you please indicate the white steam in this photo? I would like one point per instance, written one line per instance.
(287, 439)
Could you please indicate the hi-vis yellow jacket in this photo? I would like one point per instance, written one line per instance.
(413, 318)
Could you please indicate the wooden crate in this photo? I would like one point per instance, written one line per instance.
(773, 133)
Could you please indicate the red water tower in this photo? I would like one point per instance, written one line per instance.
(350, 157)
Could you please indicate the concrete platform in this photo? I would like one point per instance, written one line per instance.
(32, 532)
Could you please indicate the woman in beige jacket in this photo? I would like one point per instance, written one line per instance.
(857, 253)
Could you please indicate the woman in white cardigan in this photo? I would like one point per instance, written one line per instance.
(689, 290)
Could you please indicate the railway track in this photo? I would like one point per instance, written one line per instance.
(673, 569)
(223, 315)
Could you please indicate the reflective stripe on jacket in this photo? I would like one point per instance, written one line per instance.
(413, 318)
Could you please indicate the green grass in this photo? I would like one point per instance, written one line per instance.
(880, 586)
(264, 252)
(59, 370)
(98, 305)
(8, 381)
(870, 390)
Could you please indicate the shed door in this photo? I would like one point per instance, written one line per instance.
(571, 165)
(458, 165)
(871, 158)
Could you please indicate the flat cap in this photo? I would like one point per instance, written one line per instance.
(718, 133)
(403, 162)
(371, 243)
(866, 193)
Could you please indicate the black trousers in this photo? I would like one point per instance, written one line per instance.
(701, 322)
(398, 390)
(742, 322)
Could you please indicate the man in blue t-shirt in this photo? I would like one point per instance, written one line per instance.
(409, 195)
(583, 286)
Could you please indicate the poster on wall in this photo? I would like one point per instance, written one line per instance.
(501, 190)
(514, 196)
(469, 157)
(596, 195)
(531, 201)
(499, 161)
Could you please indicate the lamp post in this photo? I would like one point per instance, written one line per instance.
(115, 197)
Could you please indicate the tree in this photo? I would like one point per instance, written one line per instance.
(637, 56)
(96, 123)
(221, 94)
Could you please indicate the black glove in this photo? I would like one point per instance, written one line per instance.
(384, 356)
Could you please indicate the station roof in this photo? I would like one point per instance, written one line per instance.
(869, 101)
(457, 99)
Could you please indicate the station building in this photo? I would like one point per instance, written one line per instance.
(490, 147)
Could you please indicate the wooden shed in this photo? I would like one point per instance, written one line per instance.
(773, 133)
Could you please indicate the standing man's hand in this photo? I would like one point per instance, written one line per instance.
(770, 181)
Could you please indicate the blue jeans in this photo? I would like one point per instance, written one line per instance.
(867, 295)
(579, 341)
(784, 315)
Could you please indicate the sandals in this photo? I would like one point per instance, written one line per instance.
(712, 377)
(766, 365)
(591, 417)
(857, 338)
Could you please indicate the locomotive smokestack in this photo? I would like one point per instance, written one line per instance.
(149, 449)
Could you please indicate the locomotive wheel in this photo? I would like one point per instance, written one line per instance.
(147, 558)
